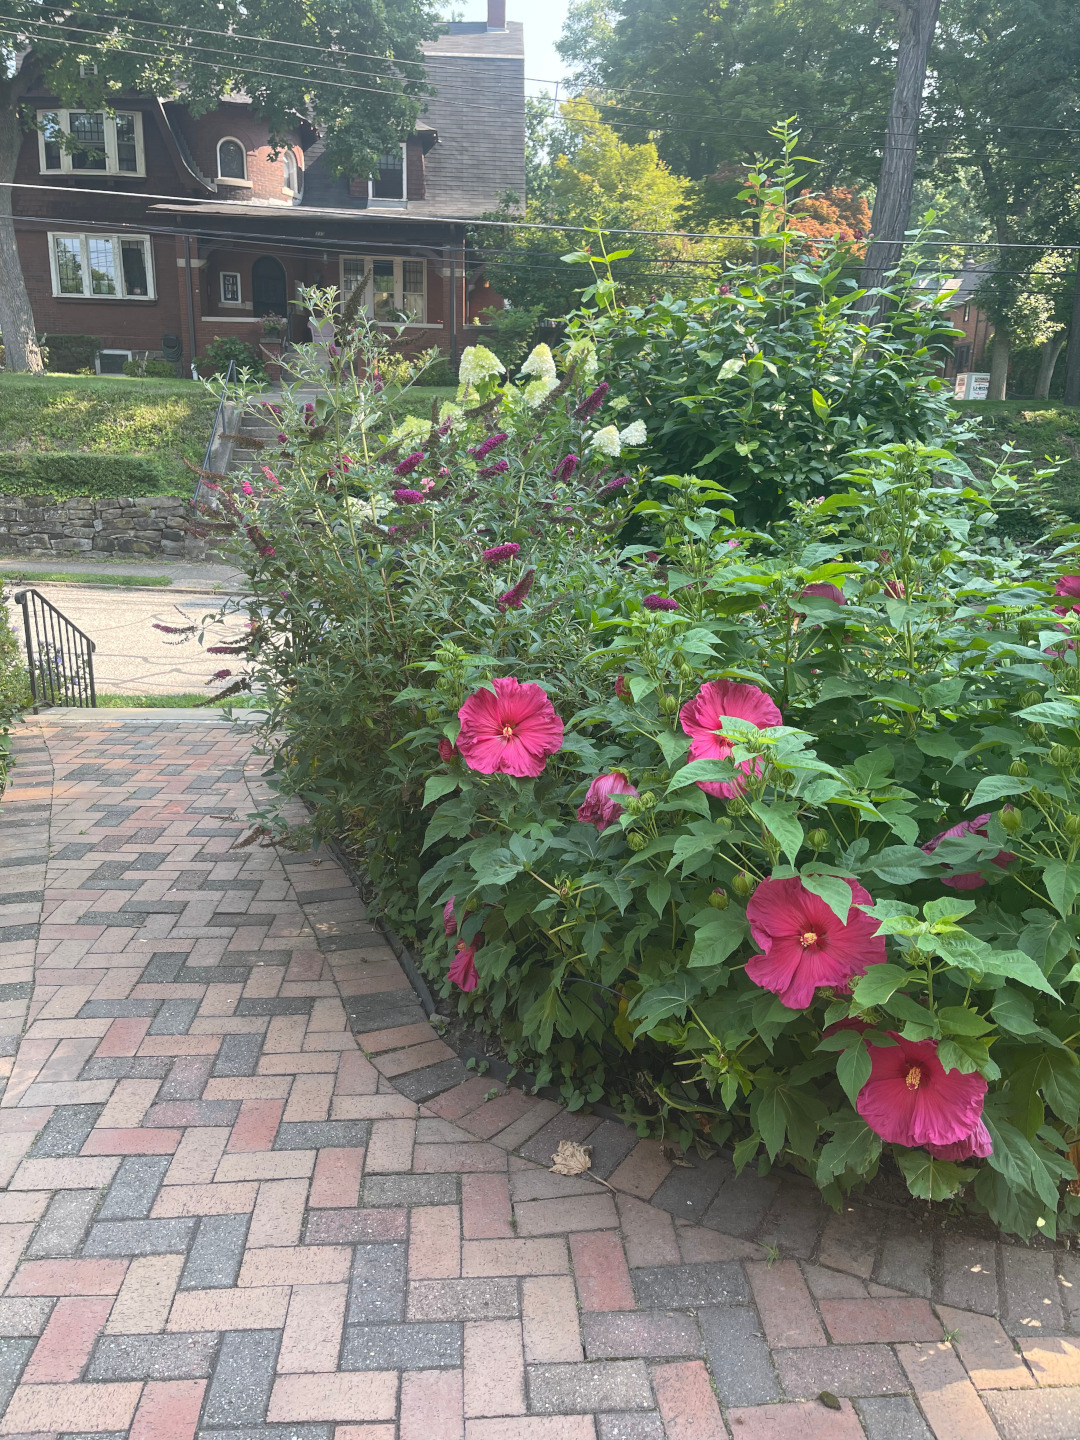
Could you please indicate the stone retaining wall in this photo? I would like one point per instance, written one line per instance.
(41, 525)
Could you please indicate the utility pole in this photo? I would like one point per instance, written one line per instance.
(1072, 354)
(892, 207)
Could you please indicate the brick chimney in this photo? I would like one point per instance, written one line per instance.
(496, 15)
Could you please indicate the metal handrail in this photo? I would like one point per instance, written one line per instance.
(230, 376)
(59, 656)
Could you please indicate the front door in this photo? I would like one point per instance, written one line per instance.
(269, 293)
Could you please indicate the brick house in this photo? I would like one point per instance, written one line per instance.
(971, 351)
(202, 229)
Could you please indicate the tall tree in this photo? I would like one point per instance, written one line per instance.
(917, 21)
(290, 59)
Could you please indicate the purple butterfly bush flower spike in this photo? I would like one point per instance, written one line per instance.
(486, 446)
(514, 598)
(498, 467)
(565, 469)
(410, 463)
(408, 497)
(660, 602)
(591, 404)
(501, 552)
(612, 487)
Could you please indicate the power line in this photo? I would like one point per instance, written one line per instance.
(511, 224)
(104, 37)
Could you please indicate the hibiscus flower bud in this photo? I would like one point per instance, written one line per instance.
(648, 800)
(817, 839)
(736, 806)
(719, 899)
(742, 884)
(1037, 731)
(636, 840)
(431, 714)
(1030, 697)
(860, 532)
(1011, 819)
(622, 690)
(907, 565)
(1070, 823)
(1018, 769)
(668, 704)
(1060, 757)
(633, 805)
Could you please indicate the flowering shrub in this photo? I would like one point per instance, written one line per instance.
(770, 839)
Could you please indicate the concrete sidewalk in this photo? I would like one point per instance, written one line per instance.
(250, 1194)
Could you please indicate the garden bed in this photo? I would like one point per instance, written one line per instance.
(764, 835)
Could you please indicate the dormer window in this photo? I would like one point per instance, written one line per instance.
(292, 175)
(232, 160)
(71, 141)
(388, 182)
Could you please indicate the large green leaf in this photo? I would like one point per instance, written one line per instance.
(439, 785)
(836, 892)
(930, 1179)
(771, 1120)
(1061, 881)
(667, 997)
(780, 820)
(996, 787)
(853, 1069)
(714, 942)
(854, 1148)
(879, 982)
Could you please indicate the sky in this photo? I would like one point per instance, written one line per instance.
(543, 21)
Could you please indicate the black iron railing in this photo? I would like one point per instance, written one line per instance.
(215, 430)
(59, 656)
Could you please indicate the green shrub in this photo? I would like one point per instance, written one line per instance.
(440, 372)
(63, 475)
(14, 685)
(71, 354)
(846, 750)
(510, 334)
(216, 357)
(767, 383)
(150, 369)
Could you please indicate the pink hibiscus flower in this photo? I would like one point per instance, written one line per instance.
(1068, 586)
(804, 942)
(510, 732)
(970, 879)
(910, 1099)
(977, 1145)
(823, 591)
(895, 589)
(449, 919)
(600, 807)
(463, 966)
(701, 719)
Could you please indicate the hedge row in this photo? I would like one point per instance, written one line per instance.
(65, 474)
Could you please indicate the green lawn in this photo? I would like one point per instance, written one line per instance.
(80, 577)
(417, 399)
(1044, 428)
(164, 421)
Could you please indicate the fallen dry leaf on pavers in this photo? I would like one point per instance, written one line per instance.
(673, 1156)
(571, 1158)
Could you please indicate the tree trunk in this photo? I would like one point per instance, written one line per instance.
(1051, 349)
(1072, 354)
(999, 362)
(16, 316)
(892, 206)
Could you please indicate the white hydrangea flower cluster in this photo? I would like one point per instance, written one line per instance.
(607, 441)
(363, 507)
(634, 434)
(478, 364)
(408, 426)
(584, 353)
(540, 363)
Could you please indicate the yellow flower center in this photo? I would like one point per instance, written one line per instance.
(913, 1078)
(808, 938)
(508, 732)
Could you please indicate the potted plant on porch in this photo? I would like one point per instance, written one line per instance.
(274, 330)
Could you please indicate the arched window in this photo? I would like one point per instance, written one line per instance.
(231, 160)
(293, 175)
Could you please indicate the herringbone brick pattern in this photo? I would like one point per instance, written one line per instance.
(249, 1192)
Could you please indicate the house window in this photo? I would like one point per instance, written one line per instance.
(388, 182)
(293, 176)
(71, 141)
(230, 287)
(102, 266)
(231, 160)
(962, 358)
(967, 313)
(111, 362)
(396, 290)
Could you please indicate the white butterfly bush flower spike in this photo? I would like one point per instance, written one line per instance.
(607, 441)
(634, 434)
(479, 364)
(540, 363)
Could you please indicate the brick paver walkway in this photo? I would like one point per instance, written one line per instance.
(249, 1194)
